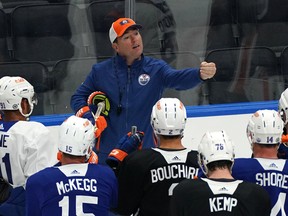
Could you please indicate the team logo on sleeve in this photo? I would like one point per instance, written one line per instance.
(143, 79)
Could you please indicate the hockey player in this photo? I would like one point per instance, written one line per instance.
(283, 110)
(264, 132)
(218, 194)
(76, 187)
(147, 177)
(25, 146)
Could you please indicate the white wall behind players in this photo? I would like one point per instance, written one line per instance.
(234, 125)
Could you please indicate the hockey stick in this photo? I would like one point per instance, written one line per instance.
(100, 108)
(133, 130)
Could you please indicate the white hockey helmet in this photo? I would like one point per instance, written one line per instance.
(76, 136)
(13, 90)
(168, 117)
(215, 146)
(283, 106)
(265, 127)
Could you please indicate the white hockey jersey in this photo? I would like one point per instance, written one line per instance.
(25, 148)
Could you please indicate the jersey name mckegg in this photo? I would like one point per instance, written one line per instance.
(76, 184)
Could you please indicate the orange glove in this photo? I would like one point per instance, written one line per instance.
(101, 125)
(284, 139)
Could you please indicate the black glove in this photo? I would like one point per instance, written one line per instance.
(5, 190)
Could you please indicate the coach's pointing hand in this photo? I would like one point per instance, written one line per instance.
(207, 70)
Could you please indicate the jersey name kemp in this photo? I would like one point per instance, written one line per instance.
(222, 204)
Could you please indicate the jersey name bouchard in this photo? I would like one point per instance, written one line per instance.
(176, 167)
(173, 171)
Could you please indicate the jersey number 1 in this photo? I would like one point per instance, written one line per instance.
(6, 161)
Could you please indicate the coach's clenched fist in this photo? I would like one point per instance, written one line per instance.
(207, 70)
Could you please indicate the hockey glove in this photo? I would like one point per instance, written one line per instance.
(85, 112)
(284, 139)
(93, 157)
(101, 125)
(127, 144)
(97, 97)
(5, 190)
(101, 122)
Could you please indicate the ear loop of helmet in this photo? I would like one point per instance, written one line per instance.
(28, 114)
(31, 102)
(155, 139)
(202, 164)
(59, 156)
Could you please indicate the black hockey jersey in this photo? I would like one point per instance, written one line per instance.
(221, 197)
(147, 179)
